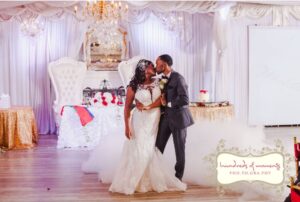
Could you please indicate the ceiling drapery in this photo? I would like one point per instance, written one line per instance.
(281, 13)
(175, 15)
(281, 10)
(8, 10)
(184, 6)
(47, 9)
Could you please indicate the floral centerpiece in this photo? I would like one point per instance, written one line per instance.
(102, 99)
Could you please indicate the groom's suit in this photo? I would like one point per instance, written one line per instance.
(175, 118)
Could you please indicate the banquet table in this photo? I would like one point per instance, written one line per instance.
(223, 113)
(72, 134)
(18, 128)
(109, 120)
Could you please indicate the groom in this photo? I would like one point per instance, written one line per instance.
(176, 116)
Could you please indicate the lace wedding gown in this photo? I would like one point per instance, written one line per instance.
(141, 167)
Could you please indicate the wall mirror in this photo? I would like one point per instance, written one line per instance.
(105, 48)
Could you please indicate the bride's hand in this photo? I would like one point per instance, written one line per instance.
(146, 107)
(128, 133)
(139, 105)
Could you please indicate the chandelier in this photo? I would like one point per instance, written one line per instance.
(103, 11)
(105, 37)
(31, 26)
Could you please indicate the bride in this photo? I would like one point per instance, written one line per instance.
(141, 168)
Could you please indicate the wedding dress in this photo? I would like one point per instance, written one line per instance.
(141, 167)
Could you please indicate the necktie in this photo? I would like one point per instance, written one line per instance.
(165, 77)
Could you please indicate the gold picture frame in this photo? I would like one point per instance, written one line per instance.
(105, 59)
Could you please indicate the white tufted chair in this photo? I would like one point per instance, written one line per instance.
(126, 69)
(67, 76)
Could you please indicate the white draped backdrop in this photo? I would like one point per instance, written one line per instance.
(24, 60)
(212, 53)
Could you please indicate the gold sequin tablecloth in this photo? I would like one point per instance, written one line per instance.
(224, 113)
(18, 128)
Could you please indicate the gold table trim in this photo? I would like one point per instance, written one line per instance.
(223, 113)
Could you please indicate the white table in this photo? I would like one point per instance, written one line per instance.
(107, 120)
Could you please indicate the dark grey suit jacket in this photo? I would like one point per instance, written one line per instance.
(176, 90)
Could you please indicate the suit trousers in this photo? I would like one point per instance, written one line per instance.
(179, 138)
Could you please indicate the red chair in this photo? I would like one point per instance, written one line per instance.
(295, 185)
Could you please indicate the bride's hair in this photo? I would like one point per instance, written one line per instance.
(139, 75)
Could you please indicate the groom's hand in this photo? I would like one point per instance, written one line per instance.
(139, 105)
(163, 100)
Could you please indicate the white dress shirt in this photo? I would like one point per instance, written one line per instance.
(168, 75)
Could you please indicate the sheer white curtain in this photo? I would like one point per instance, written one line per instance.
(24, 60)
(193, 60)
